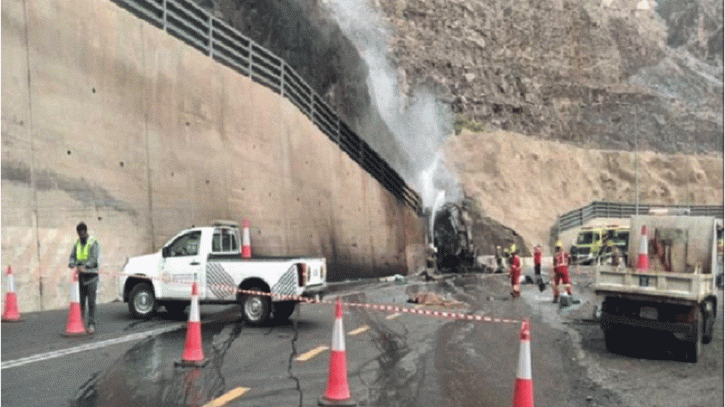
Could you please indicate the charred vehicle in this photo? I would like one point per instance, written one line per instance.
(453, 239)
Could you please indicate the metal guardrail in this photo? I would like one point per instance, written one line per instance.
(190, 23)
(603, 209)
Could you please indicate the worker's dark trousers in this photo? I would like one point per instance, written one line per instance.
(88, 283)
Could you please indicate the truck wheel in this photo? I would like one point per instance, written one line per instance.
(141, 301)
(613, 340)
(284, 310)
(709, 327)
(693, 349)
(255, 308)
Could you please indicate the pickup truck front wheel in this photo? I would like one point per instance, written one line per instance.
(141, 301)
(255, 308)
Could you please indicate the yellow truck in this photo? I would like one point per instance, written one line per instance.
(590, 240)
(676, 294)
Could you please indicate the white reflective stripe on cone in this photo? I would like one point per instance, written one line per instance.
(245, 236)
(75, 292)
(524, 361)
(643, 241)
(194, 310)
(11, 283)
(338, 336)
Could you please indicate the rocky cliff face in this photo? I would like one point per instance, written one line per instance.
(600, 75)
(597, 73)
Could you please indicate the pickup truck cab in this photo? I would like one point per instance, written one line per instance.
(211, 255)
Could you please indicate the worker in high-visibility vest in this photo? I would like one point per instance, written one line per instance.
(85, 257)
(562, 259)
(515, 273)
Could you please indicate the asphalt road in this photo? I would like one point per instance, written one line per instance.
(393, 359)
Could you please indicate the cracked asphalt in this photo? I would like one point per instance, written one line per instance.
(393, 359)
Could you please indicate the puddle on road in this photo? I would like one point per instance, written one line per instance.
(147, 376)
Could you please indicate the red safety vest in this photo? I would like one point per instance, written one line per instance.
(515, 264)
(537, 256)
(561, 259)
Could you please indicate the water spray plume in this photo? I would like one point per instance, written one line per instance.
(419, 122)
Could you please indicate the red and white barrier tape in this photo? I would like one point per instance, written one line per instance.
(377, 307)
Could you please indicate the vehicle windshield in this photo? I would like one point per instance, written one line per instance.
(585, 238)
(621, 237)
(186, 245)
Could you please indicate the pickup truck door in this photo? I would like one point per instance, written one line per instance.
(182, 260)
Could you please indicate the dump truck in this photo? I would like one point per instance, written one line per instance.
(675, 294)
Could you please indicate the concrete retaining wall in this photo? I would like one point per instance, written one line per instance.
(108, 120)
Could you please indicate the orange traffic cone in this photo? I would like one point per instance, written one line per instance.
(75, 326)
(524, 387)
(338, 392)
(643, 259)
(246, 243)
(193, 353)
(11, 313)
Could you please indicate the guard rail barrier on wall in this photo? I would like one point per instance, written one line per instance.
(190, 23)
(601, 209)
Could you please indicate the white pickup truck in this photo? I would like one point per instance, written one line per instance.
(212, 255)
(676, 294)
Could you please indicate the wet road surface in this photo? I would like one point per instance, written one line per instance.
(393, 359)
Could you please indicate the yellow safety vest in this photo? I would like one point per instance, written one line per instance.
(82, 251)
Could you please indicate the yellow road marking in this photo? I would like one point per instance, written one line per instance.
(392, 316)
(311, 354)
(359, 330)
(231, 395)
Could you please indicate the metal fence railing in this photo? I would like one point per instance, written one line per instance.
(602, 209)
(190, 23)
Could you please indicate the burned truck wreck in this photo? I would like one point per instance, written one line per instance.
(463, 238)
(453, 239)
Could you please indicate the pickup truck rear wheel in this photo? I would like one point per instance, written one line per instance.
(255, 308)
(141, 301)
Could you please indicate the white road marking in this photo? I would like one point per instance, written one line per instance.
(89, 346)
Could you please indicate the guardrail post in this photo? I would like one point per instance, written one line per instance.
(211, 36)
(251, 59)
(164, 11)
(312, 105)
(337, 139)
(281, 77)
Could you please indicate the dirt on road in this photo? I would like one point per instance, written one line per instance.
(570, 364)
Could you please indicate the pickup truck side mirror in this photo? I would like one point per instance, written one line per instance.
(165, 251)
